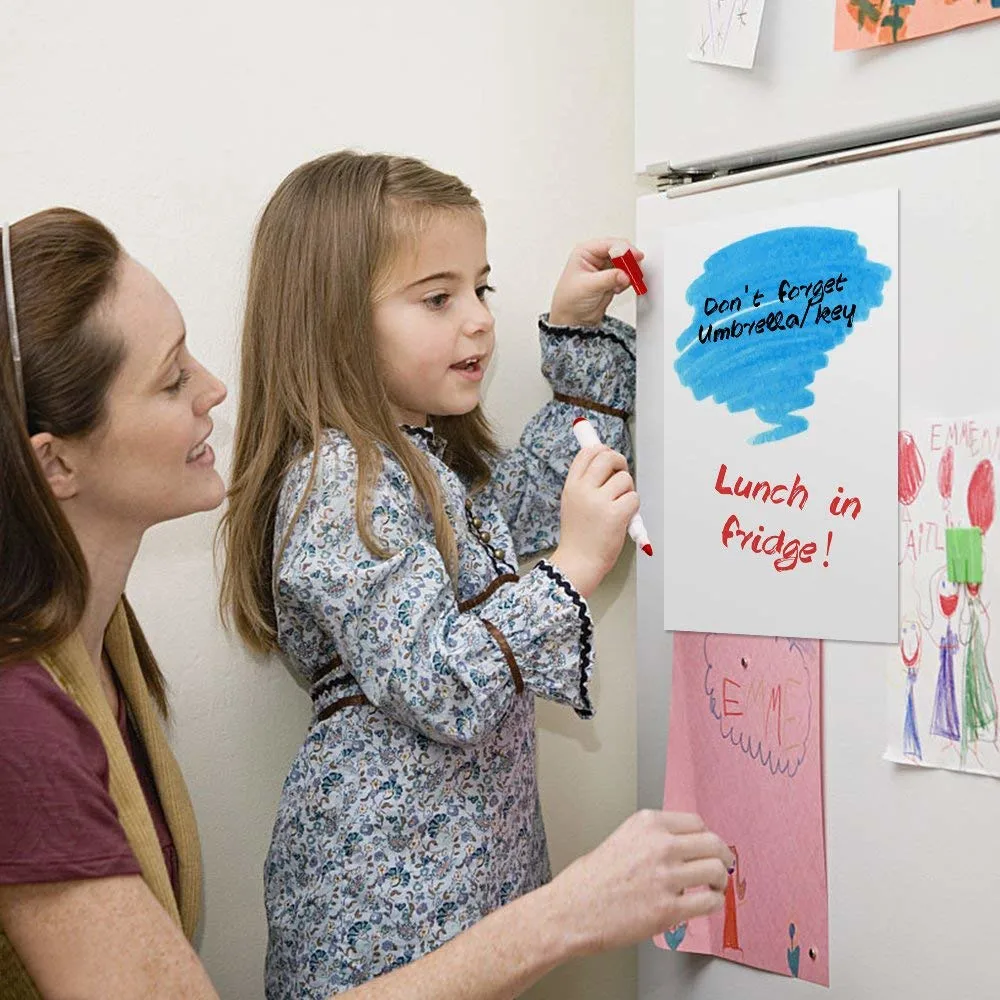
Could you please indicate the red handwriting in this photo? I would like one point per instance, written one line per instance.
(923, 536)
(790, 552)
(728, 700)
(774, 711)
(966, 435)
(765, 705)
(763, 490)
(841, 506)
(786, 550)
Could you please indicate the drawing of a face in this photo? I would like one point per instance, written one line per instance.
(948, 597)
(909, 642)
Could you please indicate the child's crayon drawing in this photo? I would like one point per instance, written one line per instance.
(744, 752)
(942, 705)
(865, 24)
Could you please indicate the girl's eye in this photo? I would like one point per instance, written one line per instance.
(182, 380)
(438, 301)
(483, 290)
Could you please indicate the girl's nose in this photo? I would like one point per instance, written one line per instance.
(480, 319)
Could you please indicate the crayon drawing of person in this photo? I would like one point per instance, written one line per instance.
(736, 890)
(944, 721)
(909, 650)
(979, 702)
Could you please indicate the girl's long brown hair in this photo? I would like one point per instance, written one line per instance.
(64, 266)
(324, 245)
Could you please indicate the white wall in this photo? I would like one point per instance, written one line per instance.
(173, 123)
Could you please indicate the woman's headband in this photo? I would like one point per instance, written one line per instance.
(15, 340)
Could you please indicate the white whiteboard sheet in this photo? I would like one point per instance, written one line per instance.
(780, 435)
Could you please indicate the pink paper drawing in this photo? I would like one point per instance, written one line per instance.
(744, 752)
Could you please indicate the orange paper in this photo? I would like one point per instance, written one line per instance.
(744, 752)
(864, 24)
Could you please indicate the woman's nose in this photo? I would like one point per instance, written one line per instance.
(213, 394)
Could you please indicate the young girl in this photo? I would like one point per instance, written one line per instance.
(373, 536)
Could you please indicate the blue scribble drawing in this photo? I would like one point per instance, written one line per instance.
(767, 311)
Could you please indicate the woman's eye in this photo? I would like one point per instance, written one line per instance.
(438, 301)
(483, 290)
(182, 380)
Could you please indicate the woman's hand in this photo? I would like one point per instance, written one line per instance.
(655, 871)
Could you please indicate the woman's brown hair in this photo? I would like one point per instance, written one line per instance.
(64, 265)
(323, 248)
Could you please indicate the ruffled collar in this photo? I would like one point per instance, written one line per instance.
(425, 438)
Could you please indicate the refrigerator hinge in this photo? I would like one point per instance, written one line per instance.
(674, 179)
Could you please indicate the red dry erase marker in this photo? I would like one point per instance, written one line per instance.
(586, 435)
(622, 257)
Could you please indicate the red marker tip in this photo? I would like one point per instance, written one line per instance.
(578, 419)
(648, 549)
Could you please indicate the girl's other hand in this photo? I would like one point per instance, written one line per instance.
(588, 284)
(598, 500)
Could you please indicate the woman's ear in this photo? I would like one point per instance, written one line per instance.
(53, 457)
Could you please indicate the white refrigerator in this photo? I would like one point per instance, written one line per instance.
(914, 886)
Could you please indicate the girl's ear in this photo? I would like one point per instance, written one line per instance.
(58, 468)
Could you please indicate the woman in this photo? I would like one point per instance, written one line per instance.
(104, 426)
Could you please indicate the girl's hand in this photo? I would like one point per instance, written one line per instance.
(598, 500)
(587, 285)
